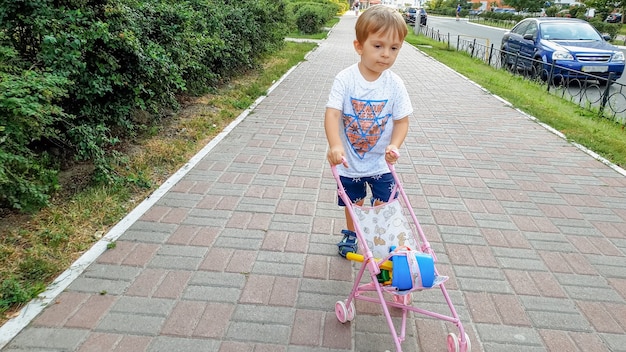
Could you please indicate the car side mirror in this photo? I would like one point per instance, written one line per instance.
(529, 36)
(606, 37)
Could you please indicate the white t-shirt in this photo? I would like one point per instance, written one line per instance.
(368, 110)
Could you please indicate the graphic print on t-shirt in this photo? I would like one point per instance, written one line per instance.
(365, 127)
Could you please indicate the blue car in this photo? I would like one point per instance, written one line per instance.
(573, 45)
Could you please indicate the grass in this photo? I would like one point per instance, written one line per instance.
(579, 125)
(35, 249)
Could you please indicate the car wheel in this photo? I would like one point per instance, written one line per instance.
(504, 60)
(538, 71)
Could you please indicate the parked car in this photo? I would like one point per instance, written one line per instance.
(614, 18)
(503, 10)
(573, 45)
(411, 14)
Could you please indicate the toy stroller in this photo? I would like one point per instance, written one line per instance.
(398, 263)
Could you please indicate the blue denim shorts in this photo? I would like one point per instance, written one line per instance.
(356, 188)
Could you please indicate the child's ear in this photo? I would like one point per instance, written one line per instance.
(358, 47)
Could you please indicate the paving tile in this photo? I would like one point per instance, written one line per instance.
(133, 343)
(241, 261)
(146, 282)
(258, 333)
(605, 318)
(118, 254)
(172, 343)
(173, 284)
(614, 342)
(234, 346)
(43, 338)
(90, 312)
(61, 309)
(284, 292)
(335, 335)
(140, 255)
(306, 328)
(100, 342)
(213, 322)
(135, 324)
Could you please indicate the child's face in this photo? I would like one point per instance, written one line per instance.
(378, 53)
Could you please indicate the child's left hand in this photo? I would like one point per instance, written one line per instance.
(391, 154)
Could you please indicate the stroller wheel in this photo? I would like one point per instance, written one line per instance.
(351, 311)
(454, 344)
(344, 313)
(468, 344)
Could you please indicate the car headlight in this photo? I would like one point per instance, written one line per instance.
(618, 57)
(562, 55)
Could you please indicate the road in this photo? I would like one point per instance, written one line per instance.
(483, 34)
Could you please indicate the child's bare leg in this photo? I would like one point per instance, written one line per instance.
(349, 241)
(349, 222)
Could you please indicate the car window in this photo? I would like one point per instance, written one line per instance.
(587, 32)
(531, 29)
(520, 28)
(553, 31)
(569, 31)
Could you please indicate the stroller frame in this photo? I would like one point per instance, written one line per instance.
(345, 309)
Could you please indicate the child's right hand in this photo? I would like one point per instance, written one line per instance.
(335, 156)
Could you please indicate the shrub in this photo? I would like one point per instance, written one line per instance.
(310, 17)
(603, 27)
(29, 114)
(503, 16)
(75, 73)
(308, 20)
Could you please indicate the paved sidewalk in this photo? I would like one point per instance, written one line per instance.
(239, 255)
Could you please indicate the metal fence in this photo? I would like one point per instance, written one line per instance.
(606, 98)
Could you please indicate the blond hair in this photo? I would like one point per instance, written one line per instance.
(380, 18)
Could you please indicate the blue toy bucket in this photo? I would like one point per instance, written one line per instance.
(401, 278)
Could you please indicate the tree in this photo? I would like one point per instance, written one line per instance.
(605, 4)
(526, 5)
(605, 7)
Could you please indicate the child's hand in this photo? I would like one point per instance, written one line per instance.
(335, 156)
(391, 154)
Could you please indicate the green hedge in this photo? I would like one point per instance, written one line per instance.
(75, 73)
(309, 16)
